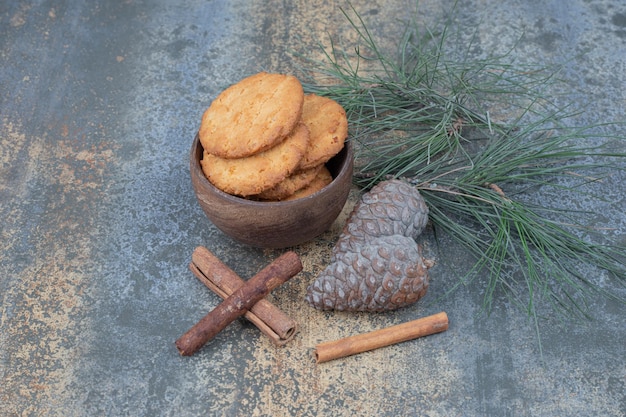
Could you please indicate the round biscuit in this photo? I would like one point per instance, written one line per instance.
(328, 127)
(291, 184)
(256, 173)
(321, 180)
(252, 115)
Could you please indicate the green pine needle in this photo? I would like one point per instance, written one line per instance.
(419, 115)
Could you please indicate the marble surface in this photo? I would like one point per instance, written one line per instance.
(99, 104)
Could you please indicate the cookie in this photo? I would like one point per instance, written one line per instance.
(291, 184)
(252, 115)
(328, 127)
(321, 180)
(256, 173)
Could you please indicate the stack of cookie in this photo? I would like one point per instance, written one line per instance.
(264, 139)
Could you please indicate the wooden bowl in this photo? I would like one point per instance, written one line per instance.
(274, 224)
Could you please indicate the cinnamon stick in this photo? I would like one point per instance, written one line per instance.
(223, 281)
(379, 338)
(241, 300)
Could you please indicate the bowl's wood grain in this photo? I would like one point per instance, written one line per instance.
(274, 224)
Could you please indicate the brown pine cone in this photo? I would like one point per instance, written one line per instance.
(387, 273)
(390, 208)
(376, 264)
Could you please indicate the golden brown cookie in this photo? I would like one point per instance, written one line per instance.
(252, 115)
(328, 127)
(291, 184)
(322, 179)
(256, 173)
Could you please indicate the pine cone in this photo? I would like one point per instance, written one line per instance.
(376, 264)
(385, 274)
(389, 208)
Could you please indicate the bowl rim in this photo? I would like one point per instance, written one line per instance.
(344, 171)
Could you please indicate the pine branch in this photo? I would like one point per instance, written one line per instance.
(421, 115)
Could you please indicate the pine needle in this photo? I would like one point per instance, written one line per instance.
(421, 115)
